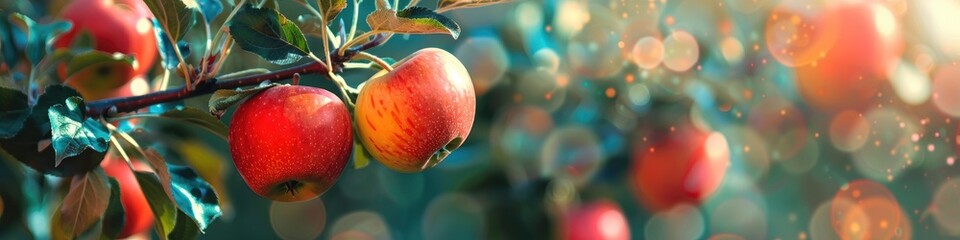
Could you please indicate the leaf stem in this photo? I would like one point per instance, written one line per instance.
(356, 15)
(373, 58)
(354, 41)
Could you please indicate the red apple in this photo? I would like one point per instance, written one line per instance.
(411, 118)
(851, 72)
(601, 220)
(116, 26)
(139, 217)
(290, 143)
(685, 165)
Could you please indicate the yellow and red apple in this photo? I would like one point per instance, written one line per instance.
(411, 118)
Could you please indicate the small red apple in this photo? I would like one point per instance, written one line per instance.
(290, 143)
(116, 26)
(685, 165)
(601, 220)
(137, 211)
(411, 118)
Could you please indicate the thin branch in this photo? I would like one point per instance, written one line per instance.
(108, 107)
(112, 106)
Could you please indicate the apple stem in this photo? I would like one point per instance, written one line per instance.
(291, 187)
(111, 106)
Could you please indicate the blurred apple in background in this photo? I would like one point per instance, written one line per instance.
(685, 165)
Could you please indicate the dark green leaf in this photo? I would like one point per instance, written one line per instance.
(96, 58)
(195, 196)
(13, 112)
(185, 228)
(164, 211)
(10, 53)
(32, 144)
(87, 200)
(53, 95)
(414, 20)
(331, 8)
(168, 55)
(39, 36)
(175, 16)
(447, 5)
(269, 34)
(210, 9)
(114, 217)
(72, 133)
(221, 100)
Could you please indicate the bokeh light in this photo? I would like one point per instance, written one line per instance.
(680, 222)
(485, 59)
(299, 220)
(360, 225)
(573, 153)
(944, 208)
(618, 119)
(453, 216)
(681, 51)
(648, 52)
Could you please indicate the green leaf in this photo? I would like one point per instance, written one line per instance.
(97, 58)
(72, 133)
(185, 228)
(195, 196)
(168, 54)
(331, 8)
(310, 24)
(221, 100)
(32, 145)
(447, 5)
(13, 112)
(53, 95)
(210, 9)
(47, 73)
(199, 118)
(175, 16)
(9, 53)
(82, 207)
(209, 164)
(164, 211)
(413, 20)
(269, 34)
(39, 36)
(361, 157)
(114, 217)
(160, 169)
